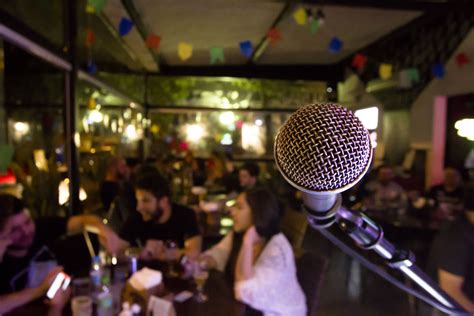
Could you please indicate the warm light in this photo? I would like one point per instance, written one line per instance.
(234, 95)
(21, 128)
(95, 117)
(194, 132)
(131, 132)
(226, 139)
(227, 222)
(465, 128)
(369, 117)
(64, 192)
(253, 138)
(258, 122)
(227, 118)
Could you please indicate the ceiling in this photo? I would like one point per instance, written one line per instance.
(208, 23)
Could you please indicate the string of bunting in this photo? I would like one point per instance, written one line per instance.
(302, 17)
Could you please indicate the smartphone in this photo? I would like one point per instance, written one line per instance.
(61, 280)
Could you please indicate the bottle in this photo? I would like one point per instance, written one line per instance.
(95, 276)
(105, 299)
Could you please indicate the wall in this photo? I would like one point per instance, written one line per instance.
(456, 81)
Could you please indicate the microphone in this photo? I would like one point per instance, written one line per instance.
(323, 149)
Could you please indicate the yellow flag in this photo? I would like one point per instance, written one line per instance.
(185, 51)
(90, 8)
(300, 16)
(385, 71)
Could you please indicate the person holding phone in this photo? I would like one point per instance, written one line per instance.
(258, 258)
(22, 239)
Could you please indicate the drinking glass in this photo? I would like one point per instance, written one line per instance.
(172, 253)
(81, 306)
(200, 275)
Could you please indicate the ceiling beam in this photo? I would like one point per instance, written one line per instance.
(263, 44)
(328, 73)
(409, 5)
(142, 30)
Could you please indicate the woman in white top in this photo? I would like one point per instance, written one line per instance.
(259, 258)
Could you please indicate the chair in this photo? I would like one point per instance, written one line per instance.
(310, 270)
(293, 226)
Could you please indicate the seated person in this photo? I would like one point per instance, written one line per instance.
(383, 194)
(452, 256)
(248, 175)
(22, 239)
(447, 198)
(258, 258)
(159, 220)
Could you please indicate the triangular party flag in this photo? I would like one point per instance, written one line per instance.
(90, 38)
(385, 71)
(314, 26)
(359, 61)
(91, 67)
(125, 26)
(462, 59)
(335, 45)
(438, 70)
(413, 74)
(404, 80)
(185, 51)
(216, 55)
(274, 35)
(97, 4)
(246, 48)
(153, 41)
(300, 16)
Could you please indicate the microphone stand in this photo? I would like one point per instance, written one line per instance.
(369, 235)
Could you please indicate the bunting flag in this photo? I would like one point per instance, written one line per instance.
(125, 26)
(98, 5)
(462, 59)
(404, 80)
(90, 38)
(438, 70)
(314, 26)
(300, 16)
(359, 61)
(153, 41)
(91, 67)
(216, 55)
(185, 51)
(91, 103)
(90, 9)
(274, 35)
(385, 71)
(413, 74)
(246, 48)
(335, 45)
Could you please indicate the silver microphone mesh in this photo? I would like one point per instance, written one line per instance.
(323, 148)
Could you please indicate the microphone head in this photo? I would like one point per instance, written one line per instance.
(323, 148)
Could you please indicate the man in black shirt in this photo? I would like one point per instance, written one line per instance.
(159, 221)
(23, 240)
(452, 256)
(447, 198)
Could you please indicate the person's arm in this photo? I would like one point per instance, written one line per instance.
(452, 285)
(217, 256)
(192, 247)
(14, 300)
(107, 237)
(244, 265)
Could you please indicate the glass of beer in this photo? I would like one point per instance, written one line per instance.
(200, 276)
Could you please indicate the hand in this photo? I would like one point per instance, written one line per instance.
(4, 243)
(59, 301)
(251, 236)
(154, 249)
(44, 286)
(207, 262)
(110, 240)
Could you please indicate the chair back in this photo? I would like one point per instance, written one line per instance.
(310, 269)
(293, 226)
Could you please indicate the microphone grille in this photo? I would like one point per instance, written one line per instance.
(323, 148)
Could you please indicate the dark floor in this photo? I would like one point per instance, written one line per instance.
(350, 289)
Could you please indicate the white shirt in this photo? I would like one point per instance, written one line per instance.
(273, 288)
